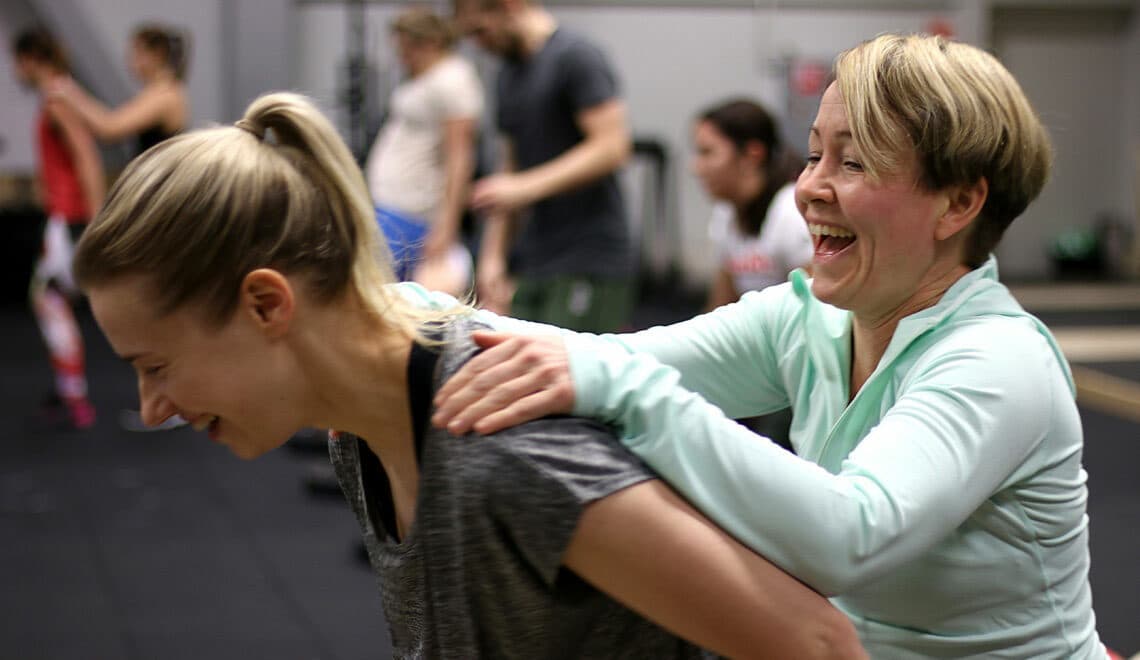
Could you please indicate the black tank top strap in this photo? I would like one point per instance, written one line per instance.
(150, 137)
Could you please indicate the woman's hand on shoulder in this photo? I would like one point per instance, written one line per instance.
(516, 379)
(64, 90)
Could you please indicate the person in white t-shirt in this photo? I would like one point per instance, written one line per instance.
(759, 233)
(421, 164)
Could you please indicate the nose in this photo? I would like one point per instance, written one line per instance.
(154, 407)
(814, 185)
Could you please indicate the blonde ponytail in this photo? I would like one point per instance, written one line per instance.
(279, 189)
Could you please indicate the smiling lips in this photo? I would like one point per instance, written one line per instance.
(206, 423)
(829, 239)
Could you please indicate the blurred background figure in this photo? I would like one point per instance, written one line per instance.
(72, 188)
(759, 234)
(157, 59)
(565, 132)
(419, 169)
(419, 173)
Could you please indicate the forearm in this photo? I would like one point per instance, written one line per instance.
(722, 291)
(588, 161)
(145, 109)
(725, 356)
(942, 449)
(92, 180)
(96, 115)
(495, 244)
(457, 180)
(791, 511)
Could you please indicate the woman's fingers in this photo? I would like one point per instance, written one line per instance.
(534, 406)
(518, 379)
(496, 351)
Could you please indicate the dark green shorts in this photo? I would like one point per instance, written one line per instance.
(575, 302)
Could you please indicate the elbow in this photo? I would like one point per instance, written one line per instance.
(828, 635)
(835, 573)
(835, 639)
(833, 584)
(611, 149)
(623, 151)
(111, 134)
(108, 129)
(101, 130)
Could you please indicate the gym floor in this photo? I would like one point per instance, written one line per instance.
(117, 544)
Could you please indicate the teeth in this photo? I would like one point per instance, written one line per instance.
(828, 230)
(202, 423)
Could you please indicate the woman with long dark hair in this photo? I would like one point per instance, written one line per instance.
(760, 235)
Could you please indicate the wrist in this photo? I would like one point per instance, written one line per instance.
(494, 267)
(530, 187)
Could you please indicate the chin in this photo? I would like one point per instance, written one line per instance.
(246, 453)
(250, 451)
(827, 291)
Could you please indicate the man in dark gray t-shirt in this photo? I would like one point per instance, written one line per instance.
(479, 573)
(560, 112)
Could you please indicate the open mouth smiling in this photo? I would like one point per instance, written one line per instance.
(829, 239)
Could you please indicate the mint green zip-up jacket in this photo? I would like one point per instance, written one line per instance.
(942, 508)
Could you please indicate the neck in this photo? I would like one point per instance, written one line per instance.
(159, 76)
(871, 332)
(355, 366)
(536, 25)
(748, 190)
(45, 77)
(427, 62)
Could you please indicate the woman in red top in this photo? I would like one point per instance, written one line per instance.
(72, 184)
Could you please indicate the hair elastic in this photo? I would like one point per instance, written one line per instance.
(247, 126)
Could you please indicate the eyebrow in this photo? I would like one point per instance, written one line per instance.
(130, 357)
(841, 134)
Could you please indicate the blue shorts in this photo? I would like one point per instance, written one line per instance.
(405, 235)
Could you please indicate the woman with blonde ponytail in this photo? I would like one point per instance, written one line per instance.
(240, 272)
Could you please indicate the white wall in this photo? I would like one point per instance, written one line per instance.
(318, 64)
(1131, 165)
(258, 51)
(17, 105)
(1073, 67)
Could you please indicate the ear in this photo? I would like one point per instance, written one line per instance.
(964, 203)
(267, 297)
(757, 151)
